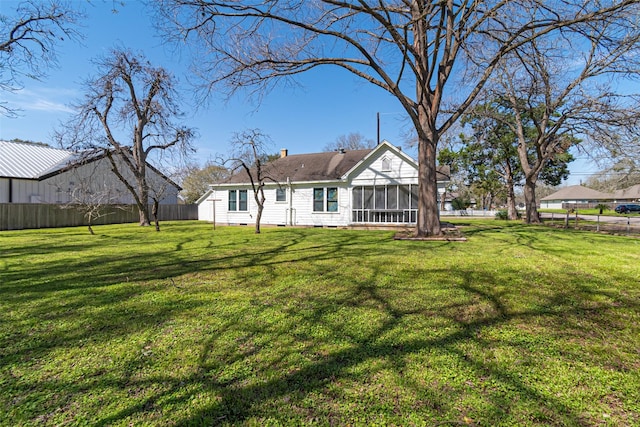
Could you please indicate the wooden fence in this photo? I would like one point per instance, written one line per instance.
(19, 216)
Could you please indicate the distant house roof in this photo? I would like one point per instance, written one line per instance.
(631, 193)
(30, 161)
(327, 166)
(578, 192)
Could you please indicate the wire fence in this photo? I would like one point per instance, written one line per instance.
(629, 225)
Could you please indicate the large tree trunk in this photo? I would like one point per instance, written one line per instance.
(532, 215)
(428, 214)
(512, 212)
(154, 212)
(143, 205)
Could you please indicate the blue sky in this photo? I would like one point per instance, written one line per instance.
(329, 103)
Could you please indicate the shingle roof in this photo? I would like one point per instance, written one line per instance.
(631, 193)
(577, 192)
(327, 166)
(30, 161)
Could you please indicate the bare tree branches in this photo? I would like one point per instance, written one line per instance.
(423, 53)
(28, 42)
(351, 141)
(568, 94)
(135, 102)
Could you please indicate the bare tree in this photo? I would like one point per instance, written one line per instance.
(566, 97)
(622, 174)
(91, 195)
(425, 54)
(352, 141)
(132, 101)
(28, 42)
(249, 150)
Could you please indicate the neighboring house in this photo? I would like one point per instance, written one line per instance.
(631, 194)
(33, 173)
(339, 188)
(574, 195)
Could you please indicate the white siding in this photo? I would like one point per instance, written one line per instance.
(551, 204)
(372, 173)
(303, 206)
(298, 208)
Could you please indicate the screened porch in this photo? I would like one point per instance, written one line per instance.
(395, 204)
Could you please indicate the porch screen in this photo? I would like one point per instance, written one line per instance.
(385, 203)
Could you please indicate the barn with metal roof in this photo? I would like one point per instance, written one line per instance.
(38, 173)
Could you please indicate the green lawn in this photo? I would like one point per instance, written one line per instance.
(519, 325)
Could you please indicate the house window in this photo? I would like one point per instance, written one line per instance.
(233, 201)
(281, 195)
(242, 200)
(332, 199)
(318, 199)
(386, 164)
(237, 200)
(325, 199)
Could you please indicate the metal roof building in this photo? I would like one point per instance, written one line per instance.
(30, 161)
(37, 173)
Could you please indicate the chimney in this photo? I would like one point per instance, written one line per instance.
(284, 152)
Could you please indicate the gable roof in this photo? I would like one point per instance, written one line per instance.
(577, 192)
(30, 161)
(632, 192)
(326, 166)
(24, 160)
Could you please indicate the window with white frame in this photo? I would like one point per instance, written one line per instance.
(325, 199)
(238, 200)
(281, 195)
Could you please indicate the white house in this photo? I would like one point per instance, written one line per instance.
(35, 173)
(340, 188)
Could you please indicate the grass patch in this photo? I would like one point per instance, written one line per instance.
(520, 325)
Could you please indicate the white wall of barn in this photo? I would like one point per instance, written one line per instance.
(65, 187)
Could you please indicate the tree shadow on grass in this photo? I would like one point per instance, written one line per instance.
(331, 356)
(240, 398)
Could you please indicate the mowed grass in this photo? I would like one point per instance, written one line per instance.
(519, 325)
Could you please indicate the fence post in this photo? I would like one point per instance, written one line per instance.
(628, 225)
(598, 224)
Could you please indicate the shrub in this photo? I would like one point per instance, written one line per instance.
(502, 214)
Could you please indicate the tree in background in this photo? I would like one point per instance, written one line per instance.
(130, 112)
(489, 156)
(433, 57)
(28, 42)
(565, 96)
(351, 141)
(623, 174)
(195, 180)
(249, 150)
